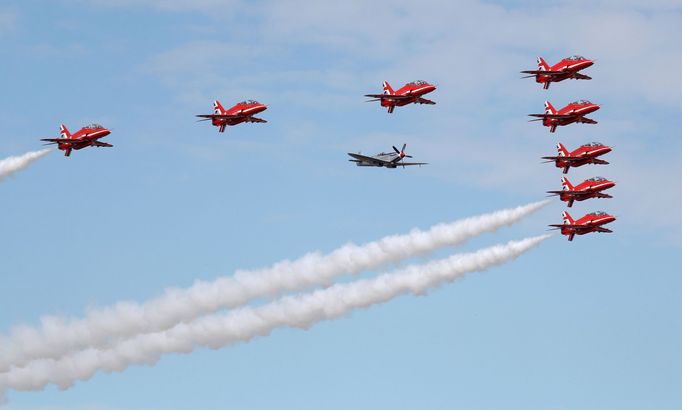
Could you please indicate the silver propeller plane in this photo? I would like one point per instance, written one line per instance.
(384, 159)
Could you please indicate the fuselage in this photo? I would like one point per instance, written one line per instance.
(242, 111)
(85, 137)
(568, 67)
(589, 223)
(585, 154)
(587, 189)
(574, 111)
(415, 90)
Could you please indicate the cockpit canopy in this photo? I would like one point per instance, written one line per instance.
(93, 126)
(593, 144)
(581, 102)
(249, 102)
(598, 213)
(597, 179)
(576, 58)
(417, 82)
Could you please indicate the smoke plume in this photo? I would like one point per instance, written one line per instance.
(9, 166)
(58, 336)
(301, 311)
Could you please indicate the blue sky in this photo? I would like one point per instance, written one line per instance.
(588, 325)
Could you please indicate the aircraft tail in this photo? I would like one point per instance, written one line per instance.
(568, 219)
(542, 64)
(563, 152)
(218, 108)
(388, 89)
(549, 108)
(64, 132)
(566, 184)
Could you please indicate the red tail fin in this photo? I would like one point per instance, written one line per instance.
(567, 218)
(218, 108)
(388, 89)
(563, 152)
(566, 184)
(549, 108)
(64, 132)
(542, 64)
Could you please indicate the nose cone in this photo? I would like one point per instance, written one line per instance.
(106, 131)
(261, 107)
(430, 87)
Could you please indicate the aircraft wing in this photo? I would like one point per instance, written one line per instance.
(548, 73)
(101, 144)
(402, 164)
(603, 230)
(425, 101)
(369, 160)
(553, 116)
(61, 141)
(586, 120)
(579, 76)
(219, 116)
(566, 159)
(389, 96)
(255, 119)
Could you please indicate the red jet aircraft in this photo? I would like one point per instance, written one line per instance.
(585, 154)
(87, 136)
(589, 223)
(240, 112)
(573, 112)
(564, 69)
(590, 188)
(410, 93)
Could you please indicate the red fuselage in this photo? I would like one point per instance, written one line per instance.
(85, 137)
(239, 113)
(585, 154)
(571, 113)
(591, 188)
(568, 69)
(412, 90)
(587, 224)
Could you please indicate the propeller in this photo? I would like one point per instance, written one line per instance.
(401, 153)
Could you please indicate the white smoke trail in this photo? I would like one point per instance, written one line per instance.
(244, 324)
(58, 336)
(10, 165)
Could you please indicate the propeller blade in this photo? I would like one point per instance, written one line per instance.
(404, 145)
(396, 150)
(408, 156)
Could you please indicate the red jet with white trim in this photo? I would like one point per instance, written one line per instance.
(590, 188)
(573, 112)
(241, 112)
(87, 136)
(585, 154)
(564, 69)
(410, 93)
(592, 222)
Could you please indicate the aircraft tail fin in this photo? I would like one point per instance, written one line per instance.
(64, 132)
(388, 90)
(568, 219)
(549, 108)
(542, 64)
(563, 152)
(566, 184)
(218, 108)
